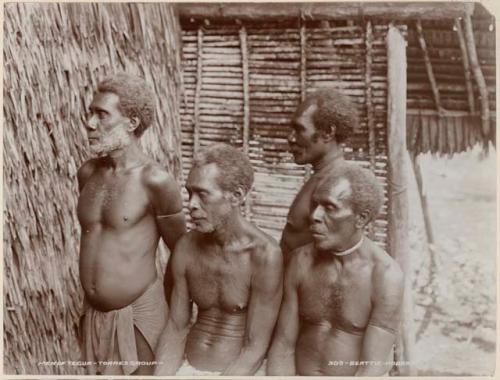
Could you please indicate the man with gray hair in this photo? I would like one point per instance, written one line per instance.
(229, 268)
(342, 293)
(126, 203)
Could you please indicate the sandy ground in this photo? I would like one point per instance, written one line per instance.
(455, 290)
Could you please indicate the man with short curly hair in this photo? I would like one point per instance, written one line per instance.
(342, 293)
(126, 203)
(228, 267)
(321, 124)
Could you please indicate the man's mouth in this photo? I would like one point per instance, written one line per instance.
(316, 232)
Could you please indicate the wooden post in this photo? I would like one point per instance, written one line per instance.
(246, 103)
(398, 197)
(303, 76)
(199, 83)
(428, 66)
(465, 63)
(478, 75)
(370, 116)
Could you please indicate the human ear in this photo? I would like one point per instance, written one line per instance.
(362, 219)
(238, 197)
(329, 136)
(133, 123)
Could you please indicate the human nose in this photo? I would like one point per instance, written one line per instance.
(194, 203)
(317, 214)
(91, 123)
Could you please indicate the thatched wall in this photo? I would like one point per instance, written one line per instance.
(54, 55)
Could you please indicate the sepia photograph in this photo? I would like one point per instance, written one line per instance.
(249, 189)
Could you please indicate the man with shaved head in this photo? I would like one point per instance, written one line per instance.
(321, 124)
(343, 293)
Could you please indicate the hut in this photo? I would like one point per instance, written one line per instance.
(427, 66)
(54, 56)
(238, 71)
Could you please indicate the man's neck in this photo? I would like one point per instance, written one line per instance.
(231, 232)
(349, 251)
(126, 157)
(332, 156)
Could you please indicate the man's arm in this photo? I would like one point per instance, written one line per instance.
(84, 173)
(265, 298)
(281, 357)
(384, 321)
(165, 196)
(172, 341)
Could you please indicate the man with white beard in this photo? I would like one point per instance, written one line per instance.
(127, 202)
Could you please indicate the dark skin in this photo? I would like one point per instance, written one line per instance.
(337, 308)
(122, 194)
(319, 149)
(233, 272)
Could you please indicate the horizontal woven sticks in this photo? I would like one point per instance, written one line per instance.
(54, 56)
(279, 67)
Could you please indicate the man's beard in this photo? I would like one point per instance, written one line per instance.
(116, 139)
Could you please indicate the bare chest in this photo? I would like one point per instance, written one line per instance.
(220, 282)
(341, 297)
(113, 201)
(298, 216)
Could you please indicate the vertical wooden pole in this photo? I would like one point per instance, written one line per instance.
(478, 75)
(303, 75)
(428, 66)
(246, 103)
(398, 197)
(199, 83)
(369, 104)
(466, 65)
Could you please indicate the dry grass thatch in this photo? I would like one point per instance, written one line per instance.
(54, 55)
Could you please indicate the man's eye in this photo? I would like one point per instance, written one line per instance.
(331, 207)
(102, 114)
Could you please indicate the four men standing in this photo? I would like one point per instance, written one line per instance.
(342, 293)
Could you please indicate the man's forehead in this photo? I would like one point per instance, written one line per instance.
(306, 109)
(338, 188)
(105, 97)
(205, 173)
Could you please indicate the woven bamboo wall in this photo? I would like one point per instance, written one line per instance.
(54, 55)
(243, 82)
(459, 128)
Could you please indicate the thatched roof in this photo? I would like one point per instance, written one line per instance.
(444, 97)
(54, 55)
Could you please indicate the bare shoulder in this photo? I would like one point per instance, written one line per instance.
(186, 247)
(387, 274)
(265, 249)
(156, 176)
(301, 260)
(86, 170)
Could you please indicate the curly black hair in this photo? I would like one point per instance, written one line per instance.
(335, 112)
(235, 167)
